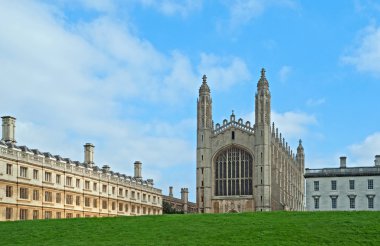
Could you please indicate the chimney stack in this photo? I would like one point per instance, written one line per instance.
(106, 169)
(343, 162)
(184, 198)
(171, 191)
(89, 154)
(377, 160)
(138, 169)
(9, 125)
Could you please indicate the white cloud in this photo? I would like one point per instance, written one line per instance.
(315, 102)
(223, 72)
(284, 73)
(71, 83)
(173, 7)
(363, 153)
(366, 54)
(293, 124)
(243, 11)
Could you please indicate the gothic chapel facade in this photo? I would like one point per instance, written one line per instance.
(243, 167)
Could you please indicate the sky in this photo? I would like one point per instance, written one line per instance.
(124, 75)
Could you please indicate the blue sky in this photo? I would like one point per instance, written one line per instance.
(124, 75)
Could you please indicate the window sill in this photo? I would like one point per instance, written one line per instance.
(24, 178)
(48, 182)
(23, 200)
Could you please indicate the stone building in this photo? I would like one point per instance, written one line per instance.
(245, 167)
(37, 185)
(180, 204)
(343, 188)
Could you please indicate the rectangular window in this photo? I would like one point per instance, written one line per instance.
(126, 207)
(333, 184)
(95, 186)
(104, 188)
(48, 215)
(120, 192)
(370, 202)
(35, 214)
(77, 200)
(370, 184)
(113, 190)
(113, 205)
(333, 202)
(121, 207)
(58, 215)
(36, 195)
(77, 183)
(104, 204)
(316, 185)
(23, 214)
(69, 181)
(8, 191)
(24, 193)
(48, 176)
(95, 203)
(352, 202)
(58, 198)
(133, 195)
(23, 172)
(126, 193)
(35, 174)
(87, 185)
(8, 213)
(48, 196)
(138, 195)
(316, 202)
(69, 199)
(352, 184)
(87, 201)
(58, 179)
(9, 169)
(69, 215)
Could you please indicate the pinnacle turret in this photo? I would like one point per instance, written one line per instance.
(204, 87)
(300, 147)
(263, 80)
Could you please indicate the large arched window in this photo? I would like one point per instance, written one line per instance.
(233, 173)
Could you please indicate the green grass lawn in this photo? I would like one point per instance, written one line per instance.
(272, 228)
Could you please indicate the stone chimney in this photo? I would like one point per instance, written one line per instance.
(89, 154)
(171, 191)
(184, 198)
(106, 169)
(9, 125)
(377, 160)
(138, 169)
(343, 162)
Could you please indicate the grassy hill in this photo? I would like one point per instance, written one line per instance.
(274, 228)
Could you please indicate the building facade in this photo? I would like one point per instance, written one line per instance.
(243, 167)
(180, 204)
(36, 185)
(343, 188)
